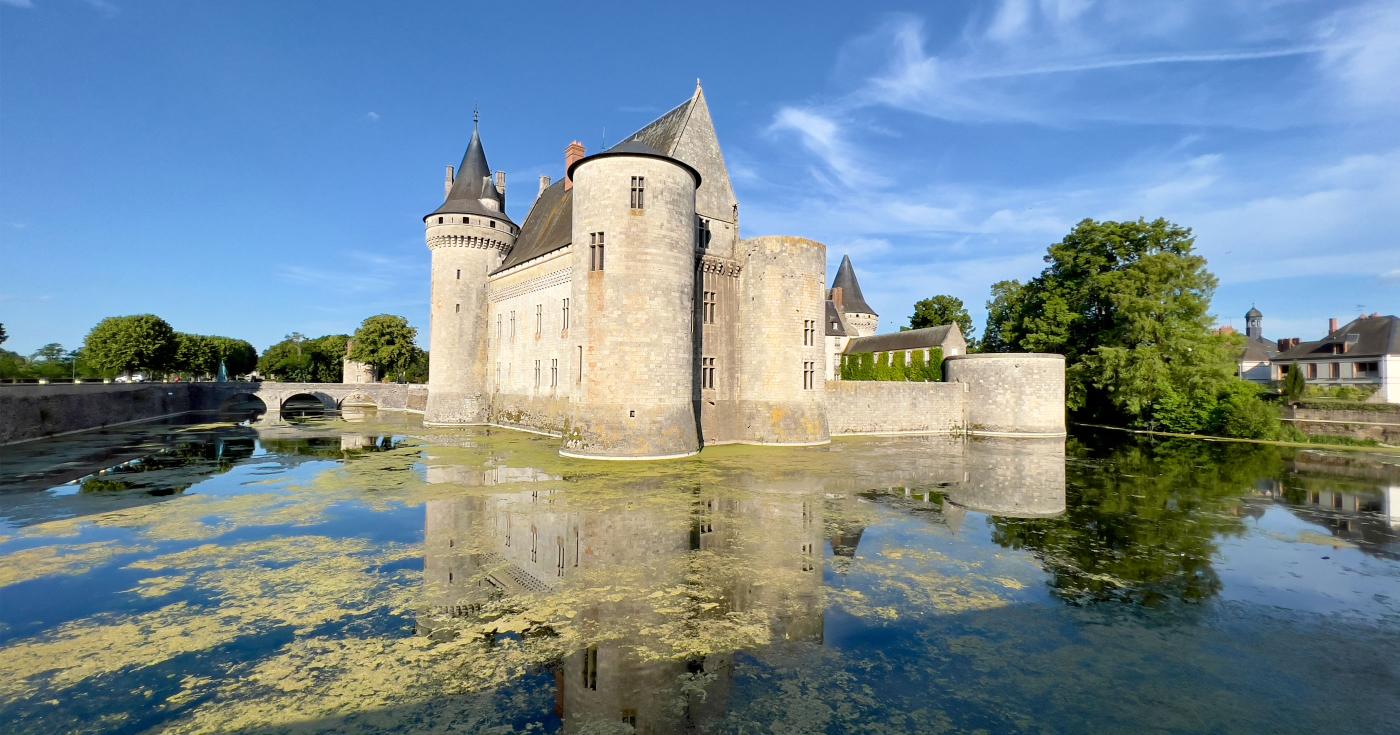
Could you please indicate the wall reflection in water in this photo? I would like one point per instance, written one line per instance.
(749, 545)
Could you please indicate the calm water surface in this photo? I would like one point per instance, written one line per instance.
(374, 575)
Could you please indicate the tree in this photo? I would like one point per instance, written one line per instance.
(3, 335)
(1294, 384)
(51, 361)
(1126, 304)
(302, 360)
(942, 309)
(195, 355)
(238, 355)
(121, 344)
(386, 342)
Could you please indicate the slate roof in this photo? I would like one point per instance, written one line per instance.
(1258, 349)
(471, 185)
(1375, 336)
(548, 227)
(851, 297)
(631, 147)
(1253, 312)
(912, 339)
(664, 132)
(835, 323)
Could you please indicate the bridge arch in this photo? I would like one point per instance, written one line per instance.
(246, 405)
(359, 399)
(307, 403)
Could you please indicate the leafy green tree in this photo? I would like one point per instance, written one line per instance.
(51, 361)
(942, 309)
(418, 371)
(328, 358)
(1295, 384)
(238, 355)
(1126, 304)
(121, 344)
(195, 355)
(298, 359)
(386, 341)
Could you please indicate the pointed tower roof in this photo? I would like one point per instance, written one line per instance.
(850, 289)
(470, 186)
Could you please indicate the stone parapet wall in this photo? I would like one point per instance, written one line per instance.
(34, 411)
(1379, 426)
(1012, 393)
(879, 407)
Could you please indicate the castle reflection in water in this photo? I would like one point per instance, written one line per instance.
(528, 538)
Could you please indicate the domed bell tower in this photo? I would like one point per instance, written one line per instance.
(468, 237)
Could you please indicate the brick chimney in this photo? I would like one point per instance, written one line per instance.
(573, 153)
(1287, 343)
(838, 297)
(1332, 326)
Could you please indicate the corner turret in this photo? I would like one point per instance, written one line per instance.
(468, 236)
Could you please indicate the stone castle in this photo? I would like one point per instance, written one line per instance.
(626, 314)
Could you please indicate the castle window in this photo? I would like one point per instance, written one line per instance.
(459, 274)
(566, 317)
(498, 328)
(466, 221)
(595, 251)
(629, 718)
(809, 332)
(702, 232)
(809, 375)
(710, 300)
(492, 223)
(539, 319)
(590, 668)
(579, 379)
(439, 220)
(707, 373)
(537, 373)
(458, 308)
(554, 372)
(512, 325)
(639, 185)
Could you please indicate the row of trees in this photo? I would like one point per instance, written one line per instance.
(1127, 304)
(123, 345)
(385, 342)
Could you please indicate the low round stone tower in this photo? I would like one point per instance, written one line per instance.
(633, 284)
(1011, 394)
(782, 355)
(468, 236)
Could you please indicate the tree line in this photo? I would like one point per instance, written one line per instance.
(146, 343)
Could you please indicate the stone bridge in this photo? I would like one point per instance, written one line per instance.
(332, 396)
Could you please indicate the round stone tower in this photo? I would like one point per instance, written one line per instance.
(468, 236)
(633, 284)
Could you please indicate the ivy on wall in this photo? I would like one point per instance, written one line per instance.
(893, 366)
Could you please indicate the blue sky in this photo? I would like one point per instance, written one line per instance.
(257, 168)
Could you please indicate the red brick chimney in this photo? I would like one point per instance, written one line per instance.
(838, 297)
(573, 153)
(1332, 325)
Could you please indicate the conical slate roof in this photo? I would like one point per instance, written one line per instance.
(472, 183)
(851, 297)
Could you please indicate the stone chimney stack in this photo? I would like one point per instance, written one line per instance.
(573, 153)
(544, 184)
(501, 183)
(447, 183)
(1332, 325)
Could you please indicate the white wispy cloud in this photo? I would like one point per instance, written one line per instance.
(18, 3)
(372, 116)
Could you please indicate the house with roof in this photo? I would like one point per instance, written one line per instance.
(1256, 360)
(1364, 352)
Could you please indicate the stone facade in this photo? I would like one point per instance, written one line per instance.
(627, 315)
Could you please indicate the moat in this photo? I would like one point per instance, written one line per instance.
(367, 574)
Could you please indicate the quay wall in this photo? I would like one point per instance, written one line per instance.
(1380, 426)
(36, 411)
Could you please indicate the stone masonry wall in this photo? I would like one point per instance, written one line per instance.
(880, 407)
(32, 411)
(1015, 393)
